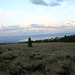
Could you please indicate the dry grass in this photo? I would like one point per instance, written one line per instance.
(54, 56)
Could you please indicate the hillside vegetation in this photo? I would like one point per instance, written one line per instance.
(41, 59)
(70, 38)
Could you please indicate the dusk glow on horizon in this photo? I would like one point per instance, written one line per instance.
(26, 17)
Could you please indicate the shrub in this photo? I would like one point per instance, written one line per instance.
(73, 67)
(38, 65)
(15, 68)
(1, 50)
(29, 42)
(59, 70)
(19, 66)
(8, 55)
(2, 66)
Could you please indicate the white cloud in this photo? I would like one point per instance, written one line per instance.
(52, 2)
(39, 2)
(0, 26)
(33, 29)
(9, 17)
(9, 12)
(2, 11)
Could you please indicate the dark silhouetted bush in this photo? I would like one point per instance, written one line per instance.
(29, 42)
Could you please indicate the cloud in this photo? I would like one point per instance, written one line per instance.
(33, 29)
(52, 2)
(39, 2)
(0, 27)
(62, 26)
(10, 13)
(56, 2)
(10, 28)
(4, 27)
(9, 17)
(41, 26)
(2, 11)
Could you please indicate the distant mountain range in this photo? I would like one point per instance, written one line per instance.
(16, 39)
(54, 34)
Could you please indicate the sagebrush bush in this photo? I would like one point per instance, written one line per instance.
(15, 68)
(42, 59)
(2, 66)
(73, 67)
(59, 70)
(8, 55)
(21, 65)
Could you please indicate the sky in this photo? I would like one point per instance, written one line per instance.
(32, 17)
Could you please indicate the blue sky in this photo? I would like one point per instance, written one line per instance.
(30, 17)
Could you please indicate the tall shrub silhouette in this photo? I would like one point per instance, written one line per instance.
(29, 42)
